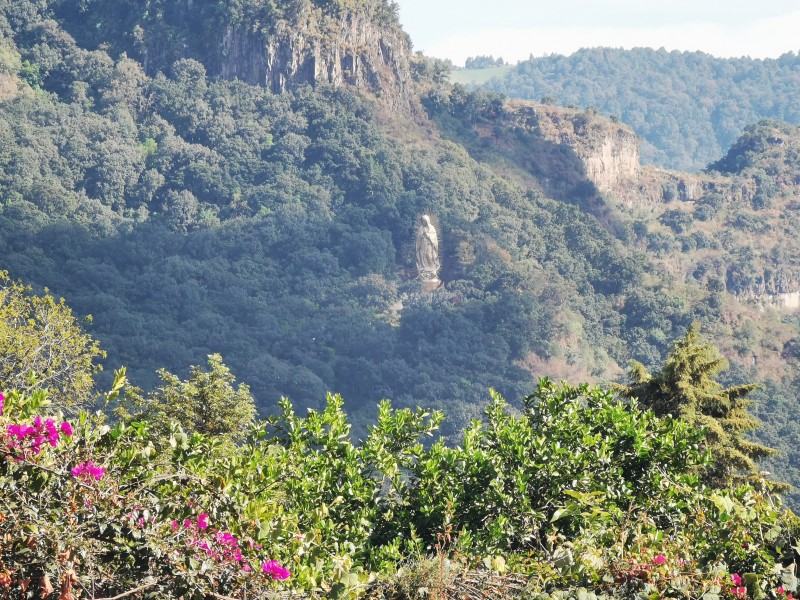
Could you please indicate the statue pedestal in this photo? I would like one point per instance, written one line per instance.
(430, 285)
(417, 292)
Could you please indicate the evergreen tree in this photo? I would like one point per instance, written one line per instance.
(686, 387)
(206, 403)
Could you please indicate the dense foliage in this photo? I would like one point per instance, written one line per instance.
(687, 106)
(687, 386)
(192, 216)
(42, 346)
(726, 239)
(580, 492)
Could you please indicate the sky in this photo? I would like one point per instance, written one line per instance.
(515, 29)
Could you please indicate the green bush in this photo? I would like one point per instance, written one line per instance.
(579, 495)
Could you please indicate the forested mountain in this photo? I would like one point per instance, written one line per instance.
(191, 215)
(257, 196)
(688, 107)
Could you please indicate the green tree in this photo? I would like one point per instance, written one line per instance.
(686, 386)
(42, 346)
(207, 402)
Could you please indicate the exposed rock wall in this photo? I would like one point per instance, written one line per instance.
(787, 300)
(349, 49)
(609, 151)
(612, 159)
(776, 286)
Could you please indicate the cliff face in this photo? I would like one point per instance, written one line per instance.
(355, 50)
(280, 44)
(608, 151)
(612, 159)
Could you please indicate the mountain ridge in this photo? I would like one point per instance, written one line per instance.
(687, 106)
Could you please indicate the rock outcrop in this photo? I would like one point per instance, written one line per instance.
(280, 45)
(355, 50)
(776, 287)
(608, 151)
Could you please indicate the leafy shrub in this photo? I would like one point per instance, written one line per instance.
(580, 494)
(87, 506)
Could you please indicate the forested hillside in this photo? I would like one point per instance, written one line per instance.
(192, 211)
(232, 191)
(688, 107)
(192, 215)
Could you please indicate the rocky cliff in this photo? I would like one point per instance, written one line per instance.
(608, 151)
(347, 48)
(280, 44)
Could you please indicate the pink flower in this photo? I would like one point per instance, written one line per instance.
(736, 579)
(2, 402)
(52, 432)
(227, 539)
(274, 570)
(202, 521)
(33, 436)
(780, 590)
(246, 568)
(88, 470)
(174, 525)
(66, 429)
(740, 592)
(660, 559)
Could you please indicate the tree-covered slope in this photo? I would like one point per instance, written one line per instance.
(688, 107)
(194, 213)
(191, 215)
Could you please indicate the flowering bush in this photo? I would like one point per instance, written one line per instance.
(91, 507)
(579, 493)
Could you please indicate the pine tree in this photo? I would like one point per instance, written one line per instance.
(686, 387)
(208, 402)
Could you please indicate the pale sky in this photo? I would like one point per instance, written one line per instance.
(515, 29)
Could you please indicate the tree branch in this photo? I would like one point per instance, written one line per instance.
(130, 592)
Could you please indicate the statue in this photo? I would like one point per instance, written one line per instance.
(427, 243)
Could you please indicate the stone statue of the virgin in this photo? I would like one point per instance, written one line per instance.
(427, 243)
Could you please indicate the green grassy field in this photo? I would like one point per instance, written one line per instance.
(464, 76)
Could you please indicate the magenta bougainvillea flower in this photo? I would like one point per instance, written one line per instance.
(202, 521)
(88, 470)
(736, 579)
(660, 559)
(29, 438)
(274, 570)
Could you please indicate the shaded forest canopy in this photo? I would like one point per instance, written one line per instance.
(190, 216)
